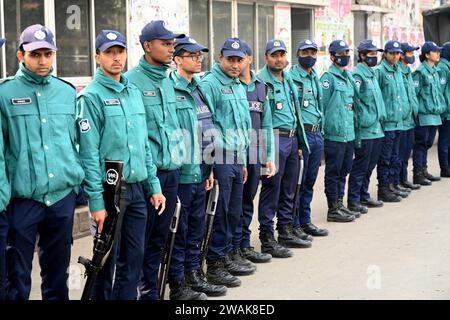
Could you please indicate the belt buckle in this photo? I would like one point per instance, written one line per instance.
(291, 133)
(315, 127)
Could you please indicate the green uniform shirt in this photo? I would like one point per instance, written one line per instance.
(190, 171)
(266, 121)
(428, 90)
(5, 189)
(284, 104)
(227, 100)
(410, 121)
(113, 127)
(338, 116)
(310, 94)
(39, 130)
(369, 106)
(390, 79)
(158, 94)
(444, 72)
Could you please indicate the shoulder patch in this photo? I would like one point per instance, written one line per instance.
(84, 125)
(325, 84)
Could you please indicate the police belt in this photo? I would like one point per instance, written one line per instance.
(311, 127)
(287, 133)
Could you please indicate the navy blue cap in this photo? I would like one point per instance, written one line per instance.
(233, 47)
(338, 46)
(156, 29)
(109, 38)
(368, 45)
(407, 47)
(247, 48)
(393, 46)
(430, 46)
(2, 42)
(188, 44)
(275, 45)
(37, 37)
(307, 44)
(445, 51)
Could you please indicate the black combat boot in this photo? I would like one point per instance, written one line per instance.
(254, 256)
(385, 195)
(218, 275)
(300, 233)
(286, 238)
(271, 246)
(357, 207)
(197, 281)
(445, 173)
(419, 178)
(410, 185)
(336, 215)
(430, 176)
(346, 210)
(401, 188)
(236, 256)
(372, 203)
(180, 291)
(398, 192)
(237, 269)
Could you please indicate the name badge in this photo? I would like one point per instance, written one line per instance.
(389, 76)
(227, 91)
(279, 105)
(181, 98)
(202, 109)
(20, 101)
(149, 93)
(111, 102)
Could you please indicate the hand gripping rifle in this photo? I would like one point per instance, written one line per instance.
(103, 242)
(167, 253)
(297, 189)
(209, 221)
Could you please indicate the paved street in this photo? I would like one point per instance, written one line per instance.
(400, 251)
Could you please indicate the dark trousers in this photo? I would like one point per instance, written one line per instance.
(406, 145)
(156, 234)
(127, 254)
(186, 251)
(388, 162)
(28, 218)
(338, 164)
(311, 163)
(365, 160)
(241, 238)
(444, 144)
(3, 237)
(423, 140)
(228, 212)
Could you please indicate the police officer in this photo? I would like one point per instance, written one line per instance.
(226, 97)
(277, 192)
(431, 105)
(339, 130)
(412, 108)
(260, 151)
(310, 97)
(444, 129)
(195, 178)
(390, 79)
(166, 140)
(112, 126)
(370, 113)
(5, 194)
(38, 122)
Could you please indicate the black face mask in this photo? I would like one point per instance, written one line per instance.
(342, 60)
(371, 61)
(307, 62)
(410, 60)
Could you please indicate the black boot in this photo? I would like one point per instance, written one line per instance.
(346, 210)
(445, 173)
(237, 269)
(430, 176)
(300, 233)
(271, 246)
(254, 256)
(410, 185)
(197, 281)
(218, 275)
(357, 207)
(236, 256)
(419, 178)
(180, 291)
(314, 231)
(398, 192)
(286, 238)
(401, 188)
(336, 215)
(385, 195)
(372, 203)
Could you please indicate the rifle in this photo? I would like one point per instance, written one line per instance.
(297, 189)
(103, 242)
(209, 221)
(167, 253)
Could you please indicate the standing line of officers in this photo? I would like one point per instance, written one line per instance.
(177, 133)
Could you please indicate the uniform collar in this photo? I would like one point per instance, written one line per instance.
(222, 77)
(106, 81)
(404, 69)
(445, 62)
(388, 66)
(338, 72)
(182, 84)
(29, 76)
(429, 68)
(365, 69)
(154, 72)
(298, 72)
(268, 76)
